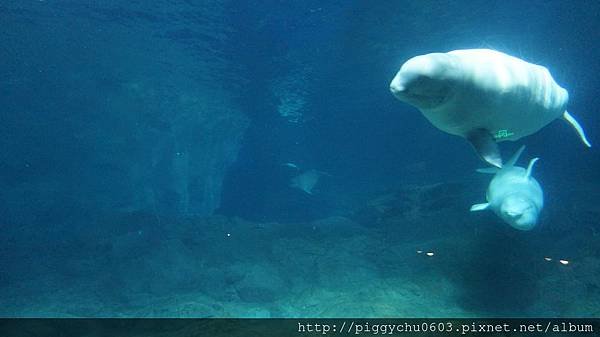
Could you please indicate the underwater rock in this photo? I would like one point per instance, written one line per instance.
(259, 283)
(413, 202)
(183, 171)
(132, 244)
(336, 226)
(145, 122)
(165, 266)
(289, 89)
(256, 294)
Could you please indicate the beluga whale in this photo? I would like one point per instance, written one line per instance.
(513, 194)
(307, 180)
(484, 96)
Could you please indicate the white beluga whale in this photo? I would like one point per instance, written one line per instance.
(307, 180)
(513, 194)
(484, 96)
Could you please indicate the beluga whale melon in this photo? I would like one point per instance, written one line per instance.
(484, 96)
(513, 194)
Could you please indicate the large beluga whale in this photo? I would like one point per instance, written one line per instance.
(484, 96)
(513, 194)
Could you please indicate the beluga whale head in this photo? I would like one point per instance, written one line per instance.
(519, 211)
(425, 81)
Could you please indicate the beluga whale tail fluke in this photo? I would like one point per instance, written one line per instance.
(484, 96)
(513, 194)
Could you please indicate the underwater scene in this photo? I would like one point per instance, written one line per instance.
(257, 159)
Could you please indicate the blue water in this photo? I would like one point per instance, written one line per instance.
(150, 155)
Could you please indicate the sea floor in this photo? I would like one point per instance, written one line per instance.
(411, 252)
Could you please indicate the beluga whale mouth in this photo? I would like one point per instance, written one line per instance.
(422, 92)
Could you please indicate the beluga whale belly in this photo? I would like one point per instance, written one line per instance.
(484, 96)
(513, 194)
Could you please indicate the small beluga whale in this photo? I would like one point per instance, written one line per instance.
(307, 180)
(513, 194)
(484, 96)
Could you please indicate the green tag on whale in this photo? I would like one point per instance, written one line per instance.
(503, 134)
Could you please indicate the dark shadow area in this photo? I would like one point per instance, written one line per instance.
(496, 277)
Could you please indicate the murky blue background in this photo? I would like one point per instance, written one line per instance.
(148, 152)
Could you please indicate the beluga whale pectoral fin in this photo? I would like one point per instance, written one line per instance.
(479, 207)
(511, 162)
(571, 120)
(485, 146)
